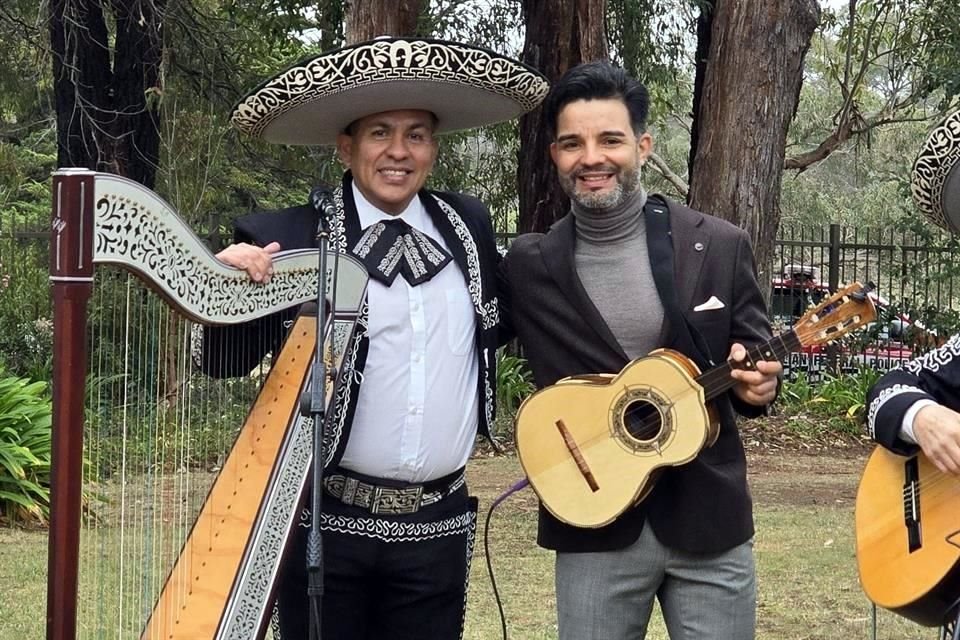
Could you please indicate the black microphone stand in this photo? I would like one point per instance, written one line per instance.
(313, 405)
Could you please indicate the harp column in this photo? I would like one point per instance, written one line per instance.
(71, 279)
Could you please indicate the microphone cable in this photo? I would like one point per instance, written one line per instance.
(517, 486)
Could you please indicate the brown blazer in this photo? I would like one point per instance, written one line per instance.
(703, 506)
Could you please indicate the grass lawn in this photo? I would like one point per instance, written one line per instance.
(804, 546)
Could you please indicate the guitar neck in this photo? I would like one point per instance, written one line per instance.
(718, 380)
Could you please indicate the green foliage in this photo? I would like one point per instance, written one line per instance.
(652, 39)
(482, 163)
(514, 381)
(874, 82)
(153, 436)
(486, 23)
(836, 403)
(25, 168)
(26, 331)
(25, 448)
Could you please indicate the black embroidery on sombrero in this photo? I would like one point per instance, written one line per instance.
(938, 159)
(466, 87)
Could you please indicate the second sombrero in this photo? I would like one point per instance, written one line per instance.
(935, 180)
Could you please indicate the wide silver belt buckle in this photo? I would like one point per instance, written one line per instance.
(395, 501)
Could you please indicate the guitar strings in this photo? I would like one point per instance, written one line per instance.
(717, 380)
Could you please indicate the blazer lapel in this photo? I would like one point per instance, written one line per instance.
(557, 250)
(660, 251)
(690, 245)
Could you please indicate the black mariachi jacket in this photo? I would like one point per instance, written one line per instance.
(934, 376)
(464, 223)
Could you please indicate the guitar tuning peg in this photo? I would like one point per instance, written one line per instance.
(864, 291)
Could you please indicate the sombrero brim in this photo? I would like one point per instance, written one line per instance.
(314, 100)
(935, 180)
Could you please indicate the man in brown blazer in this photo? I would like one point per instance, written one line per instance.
(622, 275)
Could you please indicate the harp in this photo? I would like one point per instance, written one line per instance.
(224, 554)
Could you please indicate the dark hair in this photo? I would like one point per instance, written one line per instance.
(597, 81)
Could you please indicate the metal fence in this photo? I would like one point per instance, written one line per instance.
(915, 276)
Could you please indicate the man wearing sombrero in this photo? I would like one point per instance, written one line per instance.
(917, 404)
(423, 379)
(916, 407)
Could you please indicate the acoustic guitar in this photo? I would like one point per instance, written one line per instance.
(591, 446)
(908, 537)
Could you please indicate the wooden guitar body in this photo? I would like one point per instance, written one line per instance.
(590, 445)
(908, 537)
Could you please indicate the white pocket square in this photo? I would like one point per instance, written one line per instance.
(713, 303)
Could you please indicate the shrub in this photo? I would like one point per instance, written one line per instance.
(25, 443)
(514, 381)
(837, 403)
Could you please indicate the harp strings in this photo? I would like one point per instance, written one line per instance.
(156, 432)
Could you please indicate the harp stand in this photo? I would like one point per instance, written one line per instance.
(313, 405)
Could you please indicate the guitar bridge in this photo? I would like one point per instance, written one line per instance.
(911, 503)
(578, 458)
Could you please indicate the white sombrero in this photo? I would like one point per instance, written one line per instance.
(314, 100)
(935, 181)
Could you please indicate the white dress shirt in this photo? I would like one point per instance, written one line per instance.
(906, 427)
(417, 408)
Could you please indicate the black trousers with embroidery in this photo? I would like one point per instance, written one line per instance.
(400, 577)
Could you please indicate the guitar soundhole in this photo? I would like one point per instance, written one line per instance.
(640, 421)
(643, 421)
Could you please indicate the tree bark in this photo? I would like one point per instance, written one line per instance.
(559, 35)
(751, 88)
(367, 19)
(704, 25)
(107, 116)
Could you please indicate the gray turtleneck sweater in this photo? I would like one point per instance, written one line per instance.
(614, 266)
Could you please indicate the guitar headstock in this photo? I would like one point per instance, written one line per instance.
(846, 310)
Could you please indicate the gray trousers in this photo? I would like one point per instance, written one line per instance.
(609, 595)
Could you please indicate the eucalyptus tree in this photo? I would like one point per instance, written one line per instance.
(366, 19)
(107, 80)
(892, 61)
(559, 35)
(751, 86)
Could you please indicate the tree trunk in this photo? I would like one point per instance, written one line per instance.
(81, 80)
(367, 19)
(704, 25)
(559, 35)
(107, 117)
(751, 88)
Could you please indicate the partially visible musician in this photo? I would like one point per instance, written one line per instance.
(622, 274)
(397, 521)
(917, 404)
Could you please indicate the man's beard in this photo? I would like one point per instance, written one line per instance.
(627, 184)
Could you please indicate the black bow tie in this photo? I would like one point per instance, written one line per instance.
(389, 247)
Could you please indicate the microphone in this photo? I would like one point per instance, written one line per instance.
(322, 198)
